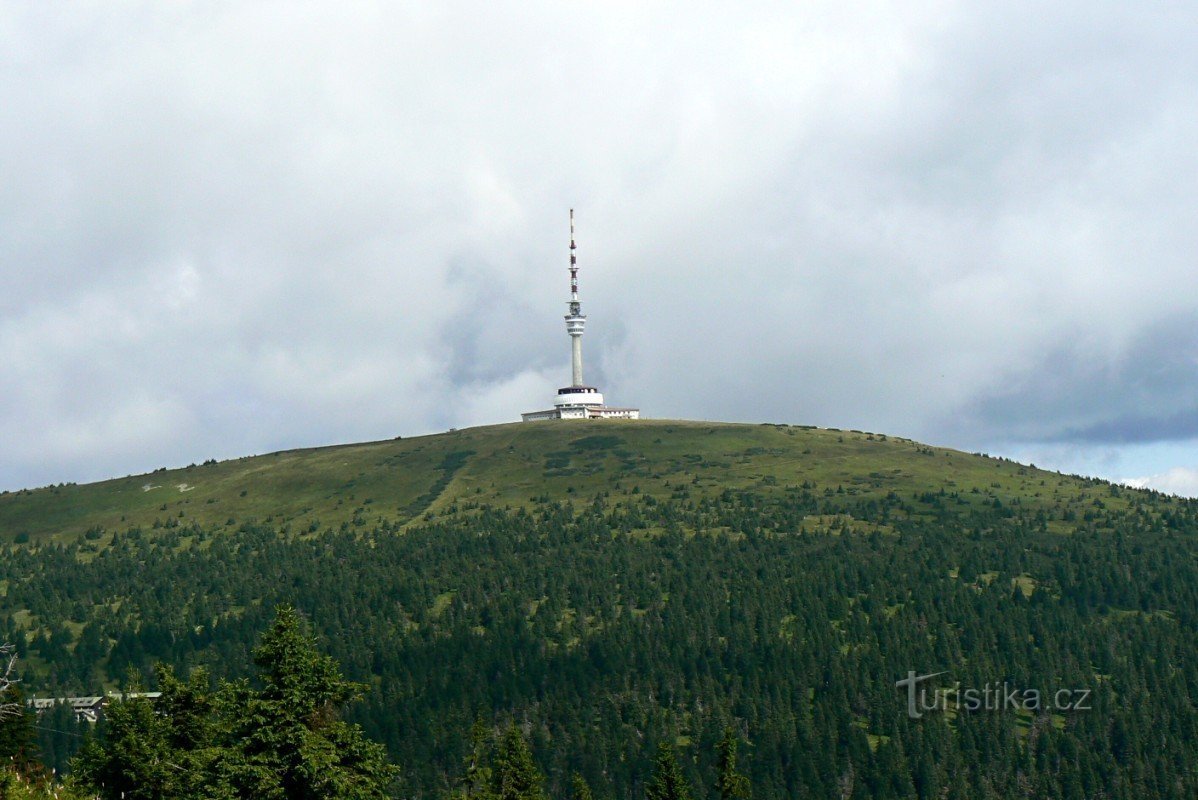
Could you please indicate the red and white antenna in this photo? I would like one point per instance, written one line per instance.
(573, 269)
(575, 320)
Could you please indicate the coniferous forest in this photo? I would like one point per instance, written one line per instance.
(634, 637)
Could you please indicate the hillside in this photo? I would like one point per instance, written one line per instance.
(398, 481)
(614, 585)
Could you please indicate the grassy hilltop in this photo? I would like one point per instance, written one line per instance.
(399, 481)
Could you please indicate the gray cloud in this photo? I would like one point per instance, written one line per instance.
(1140, 427)
(1143, 392)
(231, 228)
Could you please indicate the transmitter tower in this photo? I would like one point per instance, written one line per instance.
(578, 401)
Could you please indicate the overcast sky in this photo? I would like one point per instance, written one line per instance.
(234, 227)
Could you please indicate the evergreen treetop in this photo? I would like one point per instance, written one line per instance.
(668, 782)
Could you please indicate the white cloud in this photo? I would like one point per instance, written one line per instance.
(1181, 481)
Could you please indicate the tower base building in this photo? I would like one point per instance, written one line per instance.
(578, 401)
(581, 402)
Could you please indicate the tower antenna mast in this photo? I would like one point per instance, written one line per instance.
(575, 321)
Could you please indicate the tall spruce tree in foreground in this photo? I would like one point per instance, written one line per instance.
(515, 775)
(730, 784)
(287, 740)
(580, 789)
(284, 741)
(476, 778)
(668, 782)
(18, 739)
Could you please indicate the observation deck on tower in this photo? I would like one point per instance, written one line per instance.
(578, 401)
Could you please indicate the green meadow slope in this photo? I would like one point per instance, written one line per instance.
(514, 465)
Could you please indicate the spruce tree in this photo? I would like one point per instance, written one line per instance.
(580, 789)
(515, 775)
(476, 779)
(730, 784)
(18, 739)
(668, 782)
(288, 741)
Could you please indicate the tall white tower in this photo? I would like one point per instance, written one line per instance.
(578, 401)
(575, 320)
